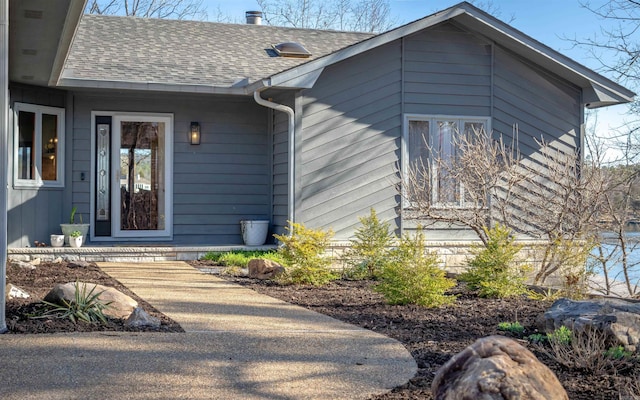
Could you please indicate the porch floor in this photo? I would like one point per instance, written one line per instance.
(123, 253)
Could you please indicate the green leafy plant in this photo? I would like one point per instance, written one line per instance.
(72, 219)
(86, 306)
(618, 353)
(513, 327)
(493, 271)
(303, 252)
(537, 338)
(75, 234)
(412, 275)
(561, 336)
(240, 258)
(369, 250)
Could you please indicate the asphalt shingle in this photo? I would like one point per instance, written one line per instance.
(111, 48)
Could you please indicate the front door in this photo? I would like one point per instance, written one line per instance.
(136, 202)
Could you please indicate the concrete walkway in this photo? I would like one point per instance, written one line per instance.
(238, 345)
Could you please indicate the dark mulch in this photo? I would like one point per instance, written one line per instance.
(432, 336)
(38, 282)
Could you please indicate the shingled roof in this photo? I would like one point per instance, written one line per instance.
(139, 50)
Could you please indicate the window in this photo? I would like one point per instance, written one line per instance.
(431, 138)
(39, 146)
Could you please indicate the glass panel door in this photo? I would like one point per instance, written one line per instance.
(141, 189)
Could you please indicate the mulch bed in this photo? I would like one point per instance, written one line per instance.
(432, 336)
(39, 281)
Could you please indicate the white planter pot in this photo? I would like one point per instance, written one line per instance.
(254, 232)
(57, 240)
(68, 228)
(75, 241)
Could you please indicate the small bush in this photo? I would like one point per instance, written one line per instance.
(240, 258)
(513, 327)
(412, 276)
(587, 350)
(85, 307)
(493, 271)
(537, 338)
(369, 250)
(304, 256)
(561, 336)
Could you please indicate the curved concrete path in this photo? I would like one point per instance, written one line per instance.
(238, 345)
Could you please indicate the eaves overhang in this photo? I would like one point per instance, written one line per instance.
(598, 90)
(79, 84)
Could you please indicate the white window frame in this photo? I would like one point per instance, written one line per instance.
(37, 180)
(116, 233)
(433, 119)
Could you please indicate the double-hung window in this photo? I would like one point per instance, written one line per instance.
(38, 146)
(429, 154)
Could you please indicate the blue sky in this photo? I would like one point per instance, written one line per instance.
(548, 21)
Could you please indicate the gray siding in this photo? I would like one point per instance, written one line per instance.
(280, 156)
(350, 142)
(447, 71)
(33, 214)
(540, 104)
(216, 184)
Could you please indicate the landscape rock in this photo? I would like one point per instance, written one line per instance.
(14, 292)
(139, 318)
(35, 262)
(496, 367)
(121, 305)
(58, 260)
(79, 264)
(21, 264)
(264, 269)
(617, 319)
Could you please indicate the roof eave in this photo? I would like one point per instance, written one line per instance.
(74, 83)
(76, 9)
(607, 92)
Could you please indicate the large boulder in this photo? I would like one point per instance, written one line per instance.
(617, 319)
(121, 305)
(496, 367)
(264, 269)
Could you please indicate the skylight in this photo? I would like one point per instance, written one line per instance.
(291, 49)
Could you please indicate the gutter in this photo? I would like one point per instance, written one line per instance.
(291, 152)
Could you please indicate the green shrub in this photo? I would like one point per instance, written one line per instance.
(303, 252)
(513, 327)
(369, 250)
(492, 271)
(537, 338)
(85, 307)
(240, 258)
(412, 276)
(560, 336)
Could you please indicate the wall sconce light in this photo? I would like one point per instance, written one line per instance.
(194, 133)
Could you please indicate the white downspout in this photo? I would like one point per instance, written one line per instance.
(292, 147)
(4, 138)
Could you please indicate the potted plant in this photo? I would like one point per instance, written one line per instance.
(73, 226)
(75, 239)
(57, 240)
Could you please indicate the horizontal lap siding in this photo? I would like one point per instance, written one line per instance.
(350, 141)
(447, 72)
(33, 214)
(280, 161)
(216, 184)
(541, 105)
